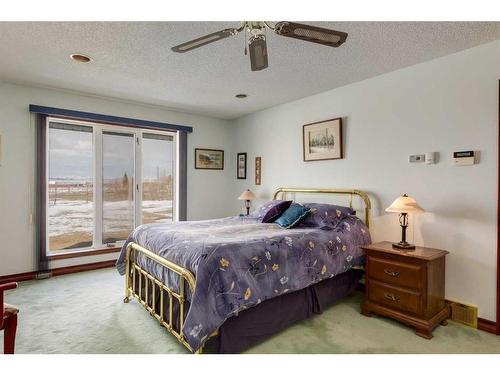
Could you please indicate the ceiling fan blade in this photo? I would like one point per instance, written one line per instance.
(198, 42)
(320, 35)
(258, 53)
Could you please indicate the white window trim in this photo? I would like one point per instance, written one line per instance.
(97, 130)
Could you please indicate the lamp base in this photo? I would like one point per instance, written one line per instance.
(403, 245)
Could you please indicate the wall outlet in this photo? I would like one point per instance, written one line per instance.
(420, 158)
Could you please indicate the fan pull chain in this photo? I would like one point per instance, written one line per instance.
(246, 51)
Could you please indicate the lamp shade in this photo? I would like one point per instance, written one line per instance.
(404, 204)
(247, 195)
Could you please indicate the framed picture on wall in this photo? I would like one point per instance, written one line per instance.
(323, 140)
(206, 158)
(258, 166)
(241, 166)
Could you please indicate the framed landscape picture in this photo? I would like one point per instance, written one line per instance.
(323, 140)
(241, 166)
(205, 158)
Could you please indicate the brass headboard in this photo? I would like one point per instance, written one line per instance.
(349, 192)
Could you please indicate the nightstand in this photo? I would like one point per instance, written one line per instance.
(406, 285)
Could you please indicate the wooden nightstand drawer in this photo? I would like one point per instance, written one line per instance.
(406, 285)
(396, 298)
(396, 273)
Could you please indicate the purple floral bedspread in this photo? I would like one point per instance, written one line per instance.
(239, 262)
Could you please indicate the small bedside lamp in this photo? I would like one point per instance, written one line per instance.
(404, 205)
(247, 196)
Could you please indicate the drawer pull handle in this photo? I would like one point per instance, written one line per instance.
(391, 297)
(391, 272)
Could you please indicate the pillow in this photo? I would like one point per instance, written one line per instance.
(270, 211)
(292, 215)
(325, 216)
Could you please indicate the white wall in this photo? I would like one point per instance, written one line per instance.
(17, 168)
(445, 105)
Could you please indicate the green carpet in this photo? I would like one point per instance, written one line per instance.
(84, 313)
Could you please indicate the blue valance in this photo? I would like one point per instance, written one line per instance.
(115, 120)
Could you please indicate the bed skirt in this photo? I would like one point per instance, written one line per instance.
(272, 316)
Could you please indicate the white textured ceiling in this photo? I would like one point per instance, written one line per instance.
(133, 60)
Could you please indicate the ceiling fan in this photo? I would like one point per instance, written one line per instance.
(257, 47)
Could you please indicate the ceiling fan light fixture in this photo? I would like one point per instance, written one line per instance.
(258, 52)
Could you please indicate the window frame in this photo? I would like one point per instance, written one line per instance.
(98, 247)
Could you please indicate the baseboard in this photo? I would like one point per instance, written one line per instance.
(58, 271)
(83, 267)
(487, 326)
(17, 277)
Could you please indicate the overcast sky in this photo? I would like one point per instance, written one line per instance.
(71, 156)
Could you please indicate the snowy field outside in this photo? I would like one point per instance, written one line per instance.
(71, 215)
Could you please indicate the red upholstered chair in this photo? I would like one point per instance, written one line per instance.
(8, 320)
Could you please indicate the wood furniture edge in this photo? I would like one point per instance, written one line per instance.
(59, 271)
(84, 253)
(426, 285)
(482, 324)
(410, 253)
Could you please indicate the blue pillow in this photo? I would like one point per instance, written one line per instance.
(270, 211)
(292, 215)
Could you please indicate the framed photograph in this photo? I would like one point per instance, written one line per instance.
(323, 140)
(258, 166)
(241, 166)
(205, 158)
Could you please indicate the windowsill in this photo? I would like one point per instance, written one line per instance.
(83, 253)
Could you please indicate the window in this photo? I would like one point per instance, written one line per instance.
(71, 183)
(103, 181)
(157, 181)
(117, 186)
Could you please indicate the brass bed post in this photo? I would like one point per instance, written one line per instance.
(127, 273)
(185, 277)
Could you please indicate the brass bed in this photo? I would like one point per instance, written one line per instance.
(156, 296)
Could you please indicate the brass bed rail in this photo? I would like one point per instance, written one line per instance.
(350, 192)
(136, 275)
(139, 282)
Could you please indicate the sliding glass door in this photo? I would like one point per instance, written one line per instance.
(104, 181)
(70, 201)
(118, 206)
(157, 178)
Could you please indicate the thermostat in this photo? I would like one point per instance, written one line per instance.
(463, 157)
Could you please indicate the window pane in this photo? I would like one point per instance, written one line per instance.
(118, 186)
(157, 178)
(70, 202)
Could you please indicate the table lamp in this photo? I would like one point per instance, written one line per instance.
(247, 196)
(404, 205)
